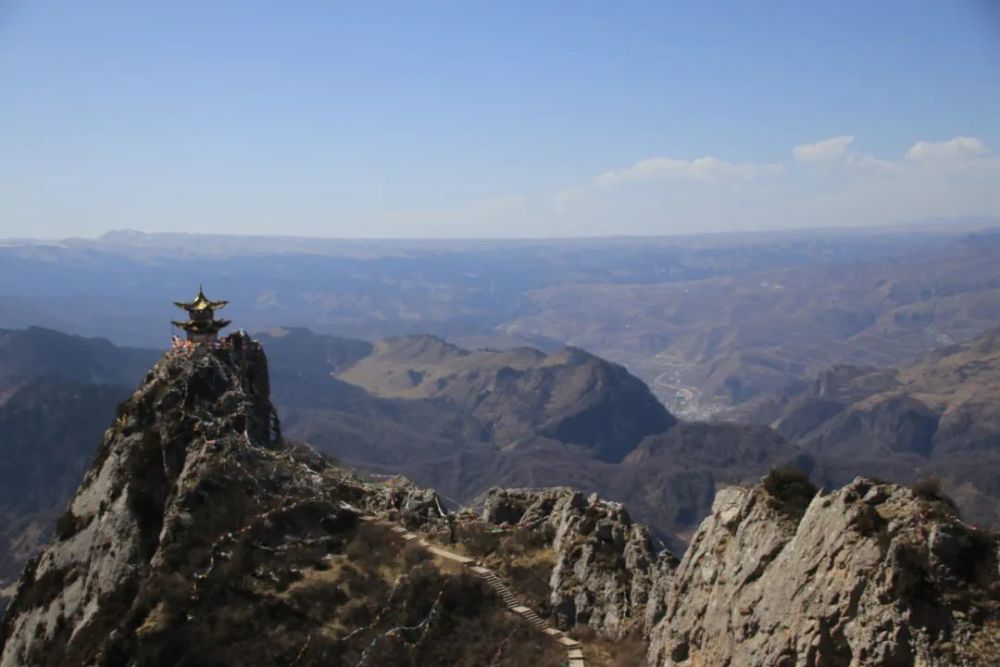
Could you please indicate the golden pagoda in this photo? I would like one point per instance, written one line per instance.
(201, 325)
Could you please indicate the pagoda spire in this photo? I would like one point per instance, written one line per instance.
(201, 325)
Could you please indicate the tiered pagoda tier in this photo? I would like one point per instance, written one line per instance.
(201, 325)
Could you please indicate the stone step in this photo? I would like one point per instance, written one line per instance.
(444, 553)
(574, 653)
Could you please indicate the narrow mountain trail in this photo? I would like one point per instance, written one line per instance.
(574, 650)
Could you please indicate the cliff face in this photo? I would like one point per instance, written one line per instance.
(144, 506)
(872, 574)
(199, 537)
(57, 395)
(604, 565)
(49, 428)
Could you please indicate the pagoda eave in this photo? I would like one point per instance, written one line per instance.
(202, 327)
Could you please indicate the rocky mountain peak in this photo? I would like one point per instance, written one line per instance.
(200, 537)
(144, 504)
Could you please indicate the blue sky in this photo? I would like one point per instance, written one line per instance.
(431, 119)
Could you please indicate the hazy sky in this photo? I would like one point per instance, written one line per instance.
(494, 119)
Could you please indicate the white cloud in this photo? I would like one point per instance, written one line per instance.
(834, 148)
(953, 150)
(829, 183)
(567, 197)
(705, 169)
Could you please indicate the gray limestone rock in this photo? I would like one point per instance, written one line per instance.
(605, 565)
(872, 574)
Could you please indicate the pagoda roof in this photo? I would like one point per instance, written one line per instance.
(206, 326)
(200, 302)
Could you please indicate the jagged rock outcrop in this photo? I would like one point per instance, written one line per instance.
(605, 565)
(871, 574)
(200, 537)
(199, 418)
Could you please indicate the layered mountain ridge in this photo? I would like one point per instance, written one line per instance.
(511, 418)
(465, 421)
(568, 395)
(935, 415)
(200, 536)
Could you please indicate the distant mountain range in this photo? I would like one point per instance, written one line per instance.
(464, 422)
(936, 415)
(461, 421)
(708, 322)
(467, 421)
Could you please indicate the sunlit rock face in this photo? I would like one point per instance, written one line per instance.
(201, 415)
(871, 574)
(604, 564)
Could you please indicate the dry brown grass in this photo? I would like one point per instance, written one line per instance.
(600, 652)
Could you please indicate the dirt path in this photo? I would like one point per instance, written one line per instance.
(574, 650)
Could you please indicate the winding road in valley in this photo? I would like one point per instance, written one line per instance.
(669, 378)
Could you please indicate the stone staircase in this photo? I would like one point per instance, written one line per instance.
(508, 598)
(574, 651)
